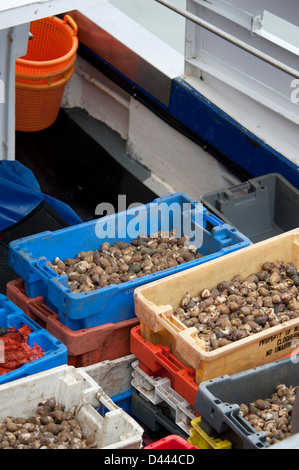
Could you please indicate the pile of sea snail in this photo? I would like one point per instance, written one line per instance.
(51, 427)
(124, 261)
(242, 307)
(272, 415)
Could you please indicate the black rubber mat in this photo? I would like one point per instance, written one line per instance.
(41, 219)
(72, 167)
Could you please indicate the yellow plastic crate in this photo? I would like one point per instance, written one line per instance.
(155, 304)
(200, 439)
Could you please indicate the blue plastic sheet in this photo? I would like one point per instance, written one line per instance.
(20, 193)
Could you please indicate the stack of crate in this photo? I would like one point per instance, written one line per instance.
(170, 353)
(128, 340)
(164, 394)
(96, 326)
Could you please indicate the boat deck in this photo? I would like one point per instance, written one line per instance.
(74, 168)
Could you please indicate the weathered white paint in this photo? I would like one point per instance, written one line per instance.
(249, 104)
(173, 157)
(163, 23)
(272, 128)
(174, 161)
(136, 38)
(99, 96)
(254, 93)
(16, 12)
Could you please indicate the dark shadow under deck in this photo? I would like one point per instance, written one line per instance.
(72, 167)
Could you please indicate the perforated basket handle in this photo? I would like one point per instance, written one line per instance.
(173, 326)
(67, 19)
(187, 342)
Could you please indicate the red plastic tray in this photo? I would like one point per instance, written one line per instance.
(86, 346)
(157, 361)
(171, 442)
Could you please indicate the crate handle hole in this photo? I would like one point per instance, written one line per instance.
(240, 193)
(209, 226)
(217, 401)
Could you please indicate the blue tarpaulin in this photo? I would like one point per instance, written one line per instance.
(20, 193)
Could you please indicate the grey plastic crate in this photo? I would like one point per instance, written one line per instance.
(259, 208)
(218, 400)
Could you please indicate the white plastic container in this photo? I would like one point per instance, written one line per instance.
(113, 376)
(73, 387)
(158, 390)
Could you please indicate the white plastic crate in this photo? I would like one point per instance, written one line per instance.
(158, 390)
(73, 387)
(113, 376)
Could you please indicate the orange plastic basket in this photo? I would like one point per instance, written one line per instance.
(41, 75)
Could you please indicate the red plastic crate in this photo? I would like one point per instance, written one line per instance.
(86, 346)
(171, 442)
(157, 361)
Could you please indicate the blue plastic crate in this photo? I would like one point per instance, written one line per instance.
(55, 353)
(123, 400)
(114, 303)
